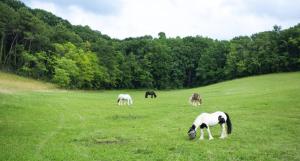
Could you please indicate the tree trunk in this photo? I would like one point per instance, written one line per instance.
(15, 55)
(29, 45)
(10, 50)
(1, 48)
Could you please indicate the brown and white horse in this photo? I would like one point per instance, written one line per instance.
(195, 99)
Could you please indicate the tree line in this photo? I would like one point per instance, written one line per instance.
(38, 44)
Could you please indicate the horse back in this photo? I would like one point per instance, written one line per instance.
(196, 96)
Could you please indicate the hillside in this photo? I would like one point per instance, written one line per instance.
(79, 125)
(10, 82)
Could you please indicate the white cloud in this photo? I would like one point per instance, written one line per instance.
(220, 19)
(44, 5)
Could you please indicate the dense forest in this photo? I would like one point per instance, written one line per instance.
(38, 44)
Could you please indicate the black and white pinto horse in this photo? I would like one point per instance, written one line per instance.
(195, 99)
(151, 93)
(124, 98)
(205, 120)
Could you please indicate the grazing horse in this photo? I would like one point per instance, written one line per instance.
(195, 99)
(205, 120)
(151, 93)
(124, 98)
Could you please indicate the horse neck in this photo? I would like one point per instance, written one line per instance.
(198, 121)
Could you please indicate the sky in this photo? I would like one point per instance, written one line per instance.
(217, 19)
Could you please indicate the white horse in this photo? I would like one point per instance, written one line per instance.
(124, 98)
(204, 120)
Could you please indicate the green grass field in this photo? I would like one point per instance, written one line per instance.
(40, 122)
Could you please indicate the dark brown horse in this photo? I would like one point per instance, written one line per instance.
(151, 93)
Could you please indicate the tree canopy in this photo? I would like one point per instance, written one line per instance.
(38, 44)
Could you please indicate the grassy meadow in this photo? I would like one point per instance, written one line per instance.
(40, 122)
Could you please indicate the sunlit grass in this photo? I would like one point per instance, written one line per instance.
(11, 82)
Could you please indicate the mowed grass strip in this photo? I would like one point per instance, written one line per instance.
(79, 125)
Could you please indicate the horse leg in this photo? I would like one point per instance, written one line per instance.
(209, 134)
(223, 133)
(129, 101)
(201, 134)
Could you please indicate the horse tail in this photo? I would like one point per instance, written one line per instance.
(229, 125)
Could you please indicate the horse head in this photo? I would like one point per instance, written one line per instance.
(192, 132)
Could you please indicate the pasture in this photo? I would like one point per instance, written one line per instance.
(40, 122)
